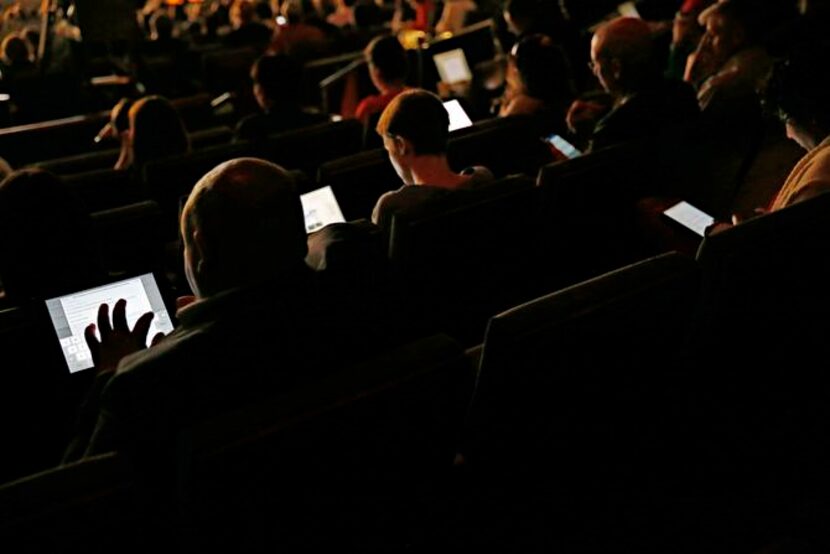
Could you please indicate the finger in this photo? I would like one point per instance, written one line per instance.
(119, 317)
(104, 321)
(90, 337)
(157, 339)
(142, 327)
(92, 342)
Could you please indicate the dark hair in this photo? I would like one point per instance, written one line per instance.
(263, 11)
(15, 49)
(420, 117)
(798, 89)
(157, 129)
(45, 240)
(388, 57)
(279, 76)
(544, 69)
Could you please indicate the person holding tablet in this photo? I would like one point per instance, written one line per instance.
(415, 132)
(253, 328)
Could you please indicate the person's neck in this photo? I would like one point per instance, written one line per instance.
(435, 170)
(389, 88)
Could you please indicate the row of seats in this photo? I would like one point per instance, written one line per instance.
(623, 413)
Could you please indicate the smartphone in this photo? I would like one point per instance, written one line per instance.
(690, 217)
(561, 145)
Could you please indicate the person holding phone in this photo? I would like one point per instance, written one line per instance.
(624, 60)
(799, 93)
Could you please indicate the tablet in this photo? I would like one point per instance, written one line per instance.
(458, 117)
(72, 313)
(320, 208)
(452, 66)
(563, 146)
(690, 217)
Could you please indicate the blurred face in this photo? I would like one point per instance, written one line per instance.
(605, 69)
(724, 39)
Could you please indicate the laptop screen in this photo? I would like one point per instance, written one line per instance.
(71, 314)
(458, 117)
(320, 208)
(452, 66)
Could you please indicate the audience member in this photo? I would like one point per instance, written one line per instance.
(16, 56)
(156, 131)
(539, 82)
(799, 94)
(729, 64)
(686, 34)
(45, 239)
(415, 132)
(297, 37)
(645, 103)
(253, 329)
(454, 16)
(277, 81)
(343, 15)
(424, 16)
(531, 17)
(388, 67)
(247, 29)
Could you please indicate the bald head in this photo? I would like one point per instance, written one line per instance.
(622, 52)
(243, 223)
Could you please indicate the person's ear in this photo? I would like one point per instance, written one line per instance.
(199, 256)
(402, 146)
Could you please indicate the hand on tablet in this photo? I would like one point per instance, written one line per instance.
(117, 340)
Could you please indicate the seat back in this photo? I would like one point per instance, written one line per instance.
(305, 149)
(130, 237)
(460, 258)
(358, 181)
(586, 211)
(586, 376)
(102, 189)
(84, 506)
(347, 461)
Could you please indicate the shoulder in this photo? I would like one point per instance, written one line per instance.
(404, 198)
(368, 106)
(523, 104)
(250, 126)
(479, 175)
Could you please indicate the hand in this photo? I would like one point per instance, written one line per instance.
(584, 113)
(117, 341)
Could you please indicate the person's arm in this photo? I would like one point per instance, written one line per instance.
(116, 342)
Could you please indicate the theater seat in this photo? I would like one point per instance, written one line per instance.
(350, 462)
(130, 238)
(86, 506)
(457, 260)
(576, 422)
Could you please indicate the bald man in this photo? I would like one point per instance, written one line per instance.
(624, 61)
(253, 327)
